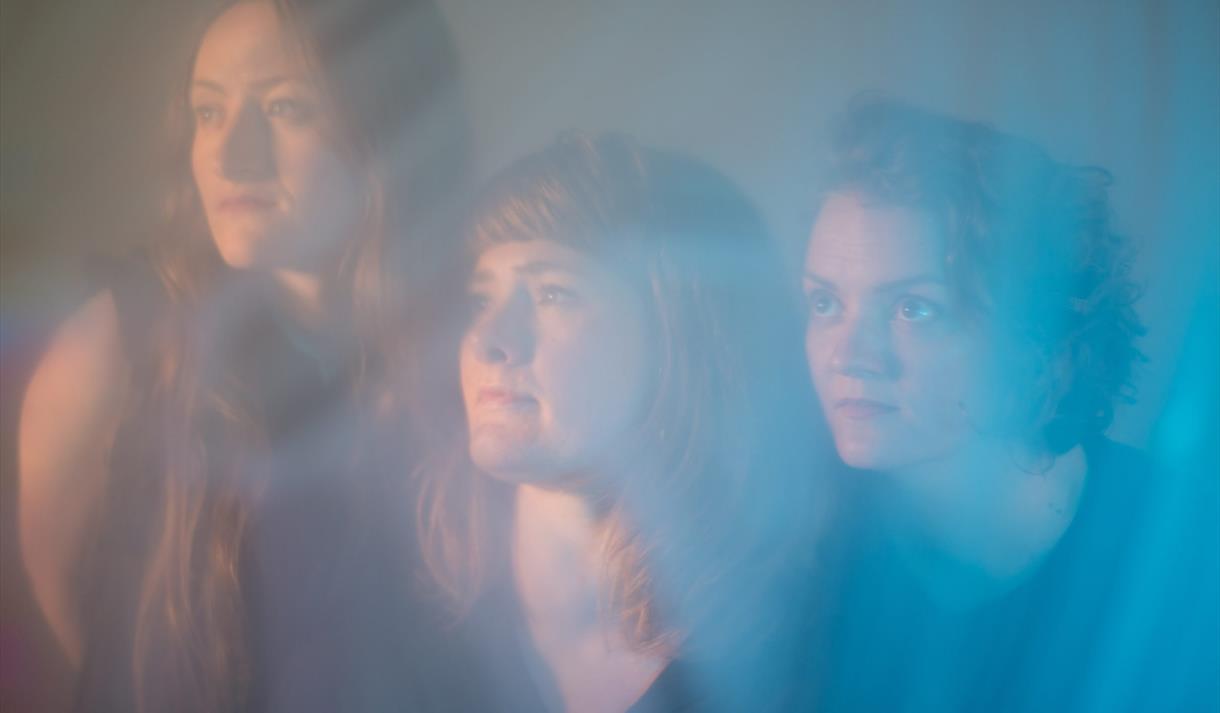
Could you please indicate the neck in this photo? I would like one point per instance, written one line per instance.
(301, 293)
(976, 525)
(557, 559)
(558, 564)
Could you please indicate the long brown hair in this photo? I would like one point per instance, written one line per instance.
(201, 410)
(697, 541)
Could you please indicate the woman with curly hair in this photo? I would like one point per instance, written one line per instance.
(634, 471)
(969, 330)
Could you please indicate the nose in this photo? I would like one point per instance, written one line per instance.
(246, 151)
(503, 334)
(862, 349)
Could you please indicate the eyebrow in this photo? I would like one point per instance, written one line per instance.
(207, 84)
(892, 286)
(260, 85)
(540, 266)
(529, 269)
(278, 79)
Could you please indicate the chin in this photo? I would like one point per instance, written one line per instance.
(895, 457)
(239, 251)
(261, 246)
(511, 462)
(864, 454)
(511, 472)
(859, 460)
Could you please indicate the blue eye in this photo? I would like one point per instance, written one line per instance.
(917, 309)
(823, 305)
(556, 295)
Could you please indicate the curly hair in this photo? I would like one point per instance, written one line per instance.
(729, 436)
(1030, 250)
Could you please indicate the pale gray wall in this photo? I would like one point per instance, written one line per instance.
(1133, 86)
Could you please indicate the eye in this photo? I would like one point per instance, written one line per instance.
(476, 304)
(295, 111)
(207, 114)
(551, 294)
(916, 309)
(823, 305)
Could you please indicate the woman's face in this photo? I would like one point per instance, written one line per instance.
(554, 364)
(901, 378)
(274, 189)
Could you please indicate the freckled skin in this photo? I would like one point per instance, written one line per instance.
(883, 327)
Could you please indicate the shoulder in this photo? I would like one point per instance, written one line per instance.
(68, 419)
(1105, 456)
(1119, 476)
(1112, 511)
(87, 348)
(92, 328)
(83, 371)
(77, 383)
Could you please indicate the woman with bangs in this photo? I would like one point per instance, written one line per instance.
(970, 330)
(635, 477)
(190, 517)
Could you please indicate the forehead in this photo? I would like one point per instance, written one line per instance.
(856, 240)
(247, 41)
(533, 256)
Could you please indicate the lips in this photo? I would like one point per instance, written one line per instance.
(246, 202)
(504, 398)
(862, 409)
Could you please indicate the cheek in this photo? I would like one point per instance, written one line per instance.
(596, 384)
(468, 370)
(322, 189)
(817, 354)
(944, 388)
(200, 174)
(310, 168)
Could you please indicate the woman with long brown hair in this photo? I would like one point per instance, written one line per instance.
(634, 475)
(188, 443)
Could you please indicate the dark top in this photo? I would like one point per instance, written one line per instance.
(513, 677)
(1071, 636)
(507, 674)
(323, 563)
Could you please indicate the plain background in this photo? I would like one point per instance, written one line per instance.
(1133, 86)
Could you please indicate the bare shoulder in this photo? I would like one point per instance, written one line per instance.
(69, 416)
(78, 383)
